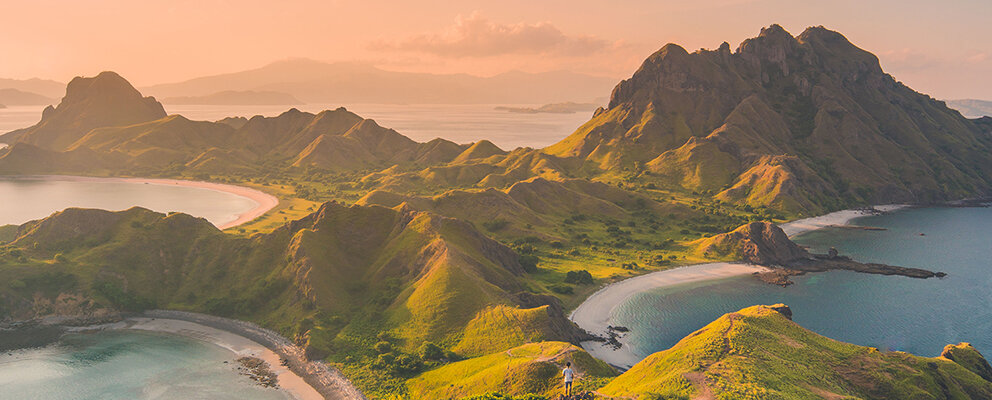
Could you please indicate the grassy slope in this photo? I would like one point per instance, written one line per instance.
(757, 353)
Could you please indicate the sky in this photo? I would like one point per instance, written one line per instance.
(943, 48)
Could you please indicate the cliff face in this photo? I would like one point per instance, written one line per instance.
(104, 100)
(801, 123)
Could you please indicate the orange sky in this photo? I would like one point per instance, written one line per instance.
(939, 47)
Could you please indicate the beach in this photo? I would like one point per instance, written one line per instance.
(594, 313)
(264, 201)
(301, 378)
(837, 218)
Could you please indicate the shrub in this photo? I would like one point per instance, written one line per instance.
(430, 351)
(495, 225)
(529, 262)
(580, 277)
(383, 347)
(562, 289)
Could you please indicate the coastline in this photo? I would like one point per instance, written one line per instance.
(264, 201)
(594, 313)
(843, 217)
(299, 377)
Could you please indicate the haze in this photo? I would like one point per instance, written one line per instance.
(940, 48)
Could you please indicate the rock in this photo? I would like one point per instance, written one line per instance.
(832, 253)
(782, 309)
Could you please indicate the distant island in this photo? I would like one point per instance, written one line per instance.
(553, 108)
(15, 97)
(972, 108)
(237, 98)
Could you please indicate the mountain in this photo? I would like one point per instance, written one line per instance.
(236, 97)
(348, 83)
(758, 352)
(43, 87)
(802, 124)
(972, 108)
(104, 100)
(14, 97)
(103, 125)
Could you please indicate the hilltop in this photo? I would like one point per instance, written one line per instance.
(758, 352)
(14, 97)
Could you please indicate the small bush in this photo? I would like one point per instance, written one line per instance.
(495, 225)
(383, 347)
(529, 262)
(580, 277)
(430, 351)
(562, 289)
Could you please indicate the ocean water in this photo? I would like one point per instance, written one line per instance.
(420, 122)
(423, 122)
(128, 365)
(24, 199)
(919, 316)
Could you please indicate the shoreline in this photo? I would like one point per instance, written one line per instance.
(299, 377)
(594, 313)
(836, 218)
(264, 201)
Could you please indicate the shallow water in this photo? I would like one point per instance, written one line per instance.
(127, 365)
(24, 199)
(889, 312)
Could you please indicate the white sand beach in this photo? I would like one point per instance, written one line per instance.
(835, 218)
(239, 345)
(264, 201)
(594, 313)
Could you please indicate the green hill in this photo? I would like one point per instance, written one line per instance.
(759, 353)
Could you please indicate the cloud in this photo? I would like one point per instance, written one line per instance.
(977, 58)
(908, 60)
(477, 36)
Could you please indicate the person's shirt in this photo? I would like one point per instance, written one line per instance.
(568, 374)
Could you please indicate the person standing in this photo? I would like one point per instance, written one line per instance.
(569, 375)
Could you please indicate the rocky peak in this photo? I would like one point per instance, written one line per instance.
(89, 103)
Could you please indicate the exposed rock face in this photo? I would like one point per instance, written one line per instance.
(761, 243)
(782, 309)
(803, 123)
(104, 100)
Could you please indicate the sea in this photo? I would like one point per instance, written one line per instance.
(919, 316)
(421, 122)
(127, 365)
(23, 199)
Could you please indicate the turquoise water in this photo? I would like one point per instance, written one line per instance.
(889, 312)
(126, 365)
(24, 199)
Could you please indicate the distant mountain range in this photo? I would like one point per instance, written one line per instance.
(348, 83)
(237, 97)
(14, 97)
(972, 108)
(43, 87)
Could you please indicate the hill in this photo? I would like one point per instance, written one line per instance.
(802, 124)
(14, 97)
(237, 97)
(104, 100)
(972, 108)
(350, 83)
(759, 353)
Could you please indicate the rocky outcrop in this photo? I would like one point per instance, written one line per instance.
(761, 243)
(104, 100)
